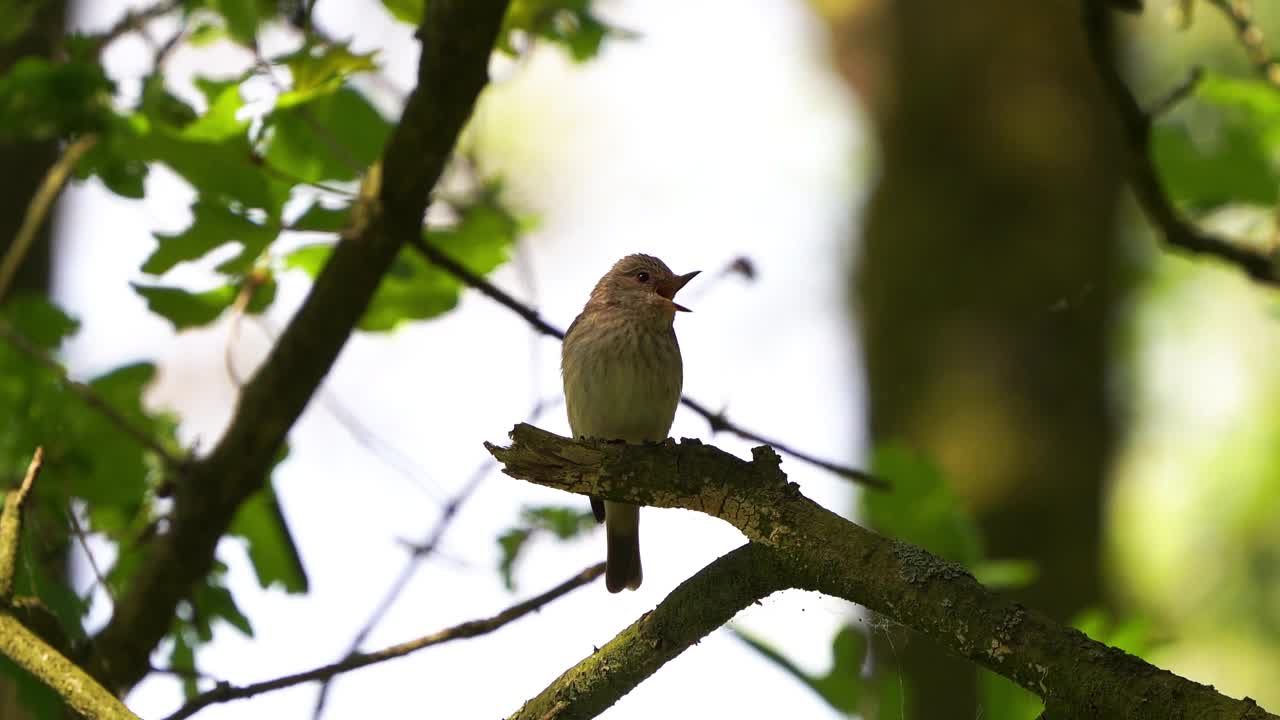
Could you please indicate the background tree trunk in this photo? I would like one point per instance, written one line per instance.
(987, 280)
(25, 164)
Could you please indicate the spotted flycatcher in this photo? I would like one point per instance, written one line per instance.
(622, 376)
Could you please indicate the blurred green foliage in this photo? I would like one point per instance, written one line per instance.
(260, 175)
(562, 523)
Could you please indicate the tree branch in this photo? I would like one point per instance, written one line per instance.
(697, 606)
(815, 549)
(25, 648)
(1143, 177)
(457, 38)
(474, 628)
(38, 209)
(1240, 14)
(717, 420)
(11, 525)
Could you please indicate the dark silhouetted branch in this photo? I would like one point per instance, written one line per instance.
(1135, 122)
(457, 38)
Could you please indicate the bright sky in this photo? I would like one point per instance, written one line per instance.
(719, 132)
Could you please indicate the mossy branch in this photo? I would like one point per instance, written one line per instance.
(797, 543)
(25, 648)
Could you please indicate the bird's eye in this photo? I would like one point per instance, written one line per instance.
(642, 276)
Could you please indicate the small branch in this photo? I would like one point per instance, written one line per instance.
(474, 628)
(419, 554)
(1240, 14)
(717, 420)
(38, 209)
(134, 20)
(11, 526)
(1143, 178)
(90, 397)
(806, 546)
(1179, 93)
(25, 648)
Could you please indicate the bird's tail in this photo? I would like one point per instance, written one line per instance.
(622, 566)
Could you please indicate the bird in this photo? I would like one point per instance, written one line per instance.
(623, 374)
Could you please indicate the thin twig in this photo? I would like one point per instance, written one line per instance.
(38, 209)
(90, 397)
(419, 554)
(134, 20)
(1180, 92)
(383, 450)
(1143, 178)
(1240, 14)
(717, 420)
(421, 551)
(82, 538)
(11, 525)
(474, 628)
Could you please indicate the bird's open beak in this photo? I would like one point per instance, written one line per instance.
(669, 291)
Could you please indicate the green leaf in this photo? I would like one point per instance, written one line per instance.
(409, 11)
(242, 19)
(571, 24)
(564, 523)
(414, 289)
(843, 686)
(309, 258)
(41, 100)
(205, 33)
(186, 309)
(322, 69)
(1223, 149)
(921, 509)
(162, 106)
(510, 543)
(1231, 166)
(271, 548)
(318, 218)
(213, 153)
(212, 226)
(214, 601)
(333, 136)
(1132, 635)
(40, 321)
(1005, 574)
(417, 290)
(182, 659)
(1000, 698)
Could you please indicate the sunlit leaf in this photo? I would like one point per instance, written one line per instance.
(212, 226)
(1223, 149)
(333, 136)
(186, 309)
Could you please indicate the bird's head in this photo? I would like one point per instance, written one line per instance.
(643, 283)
